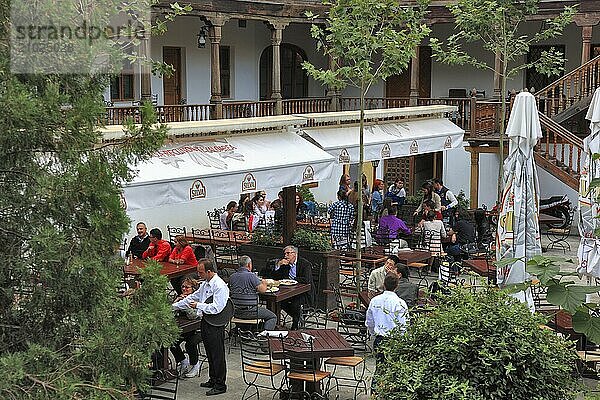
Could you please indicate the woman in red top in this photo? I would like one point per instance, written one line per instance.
(183, 252)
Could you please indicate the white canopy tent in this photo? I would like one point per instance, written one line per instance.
(388, 139)
(226, 167)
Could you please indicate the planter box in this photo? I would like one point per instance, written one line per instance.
(329, 272)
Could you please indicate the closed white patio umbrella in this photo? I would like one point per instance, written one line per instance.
(518, 227)
(588, 253)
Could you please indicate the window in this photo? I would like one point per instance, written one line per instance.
(225, 60)
(121, 87)
(534, 79)
(294, 80)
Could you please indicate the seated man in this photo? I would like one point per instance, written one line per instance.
(244, 287)
(159, 250)
(378, 275)
(299, 269)
(390, 226)
(406, 290)
(139, 243)
(462, 233)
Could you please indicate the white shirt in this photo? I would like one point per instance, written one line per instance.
(386, 311)
(216, 287)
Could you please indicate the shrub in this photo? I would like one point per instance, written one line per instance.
(310, 240)
(477, 347)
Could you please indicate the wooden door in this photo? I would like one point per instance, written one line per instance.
(172, 84)
(399, 85)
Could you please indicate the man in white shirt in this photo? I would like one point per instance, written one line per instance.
(215, 290)
(386, 312)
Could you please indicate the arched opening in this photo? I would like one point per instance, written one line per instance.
(294, 81)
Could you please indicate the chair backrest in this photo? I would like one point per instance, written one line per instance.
(175, 231)
(163, 386)
(202, 234)
(214, 218)
(301, 354)
(313, 318)
(255, 351)
(432, 241)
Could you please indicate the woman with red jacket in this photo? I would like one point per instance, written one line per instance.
(183, 252)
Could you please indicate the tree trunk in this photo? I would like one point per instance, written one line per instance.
(502, 128)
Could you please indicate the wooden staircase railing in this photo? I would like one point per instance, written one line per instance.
(568, 92)
(559, 152)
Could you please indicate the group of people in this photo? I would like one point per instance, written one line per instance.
(205, 296)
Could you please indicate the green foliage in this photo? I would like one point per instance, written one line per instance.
(463, 201)
(311, 240)
(65, 333)
(477, 346)
(266, 237)
(414, 200)
(305, 192)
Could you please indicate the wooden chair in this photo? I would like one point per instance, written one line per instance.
(303, 368)
(259, 370)
(357, 380)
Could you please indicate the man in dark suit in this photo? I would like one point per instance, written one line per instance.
(299, 269)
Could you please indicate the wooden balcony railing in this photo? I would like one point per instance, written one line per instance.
(560, 151)
(247, 109)
(567, 91)
(164, 114)
(307, 105)
(461, 117)
(371, 103)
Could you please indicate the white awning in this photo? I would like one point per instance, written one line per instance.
(388, 139)
(226, 167)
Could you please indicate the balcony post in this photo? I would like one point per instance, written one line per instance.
(497, 84)
(586, 43)
(145, 69)
(414, 79)
(289, 210)
(276, 38)
(332, 93)
(474, 186)
(214, 35)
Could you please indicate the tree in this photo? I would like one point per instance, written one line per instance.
(477, 346)
(64, 331)
(367, 40)
(494, 25)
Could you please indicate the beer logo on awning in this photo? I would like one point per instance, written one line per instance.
(414, 147)
(248, 183)
(344, 157)
(197, 191)
(385, 151)
(308, 174)
(448, 143)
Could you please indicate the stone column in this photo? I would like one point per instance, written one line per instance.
(214, 35)
(497, 84)
(276, 38)
(414, 79)
(586, 43)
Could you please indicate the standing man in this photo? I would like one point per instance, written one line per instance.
(448, 200)
(210, 299)
(245, 287)
(159, 250)
(139, 243)
(386, 312)
(299, 269)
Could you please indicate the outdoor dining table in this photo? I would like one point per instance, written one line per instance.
(326, 343)
(168, 269)
(274, 299)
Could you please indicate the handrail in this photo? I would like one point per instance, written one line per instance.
(569, 75)
(563, 132)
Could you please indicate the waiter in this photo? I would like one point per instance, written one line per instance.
(210, 301)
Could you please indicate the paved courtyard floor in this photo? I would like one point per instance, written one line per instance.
(189, 389)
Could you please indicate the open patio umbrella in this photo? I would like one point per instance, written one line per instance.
(518, 228)
(588, 253)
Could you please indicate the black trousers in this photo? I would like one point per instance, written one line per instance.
(213, 338)
(292, 307)
(379, 359)
(191, 340)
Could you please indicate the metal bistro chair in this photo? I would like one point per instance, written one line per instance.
(558, 236)
(259, 370)
(245, 318)
(351, 323)
(226, 256)
(163, 386)
(303, 368)
(214, 218)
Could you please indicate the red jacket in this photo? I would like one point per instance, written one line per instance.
(159, 251)
(187, 255)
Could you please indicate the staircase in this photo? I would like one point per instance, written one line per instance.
(560, 151)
